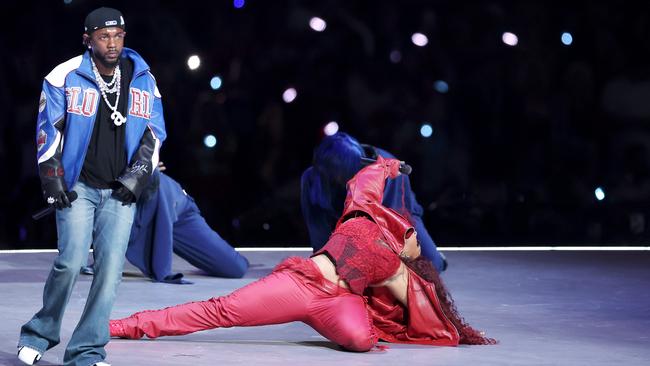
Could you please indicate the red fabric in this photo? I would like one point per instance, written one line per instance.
(424, 321)
(359, 257)
(366, 192)
(295, 291)
(468, 335)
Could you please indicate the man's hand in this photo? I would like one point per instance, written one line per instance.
(57, 198)
(54, 192)
(123, 195)
(161, 166)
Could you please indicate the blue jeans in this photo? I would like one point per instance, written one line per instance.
(95, 217)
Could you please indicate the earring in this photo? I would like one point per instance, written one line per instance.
(404, 256)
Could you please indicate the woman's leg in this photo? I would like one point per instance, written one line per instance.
(280, 297)
(344, 320)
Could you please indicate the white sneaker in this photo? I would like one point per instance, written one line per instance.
(28, 356)
(102, 364)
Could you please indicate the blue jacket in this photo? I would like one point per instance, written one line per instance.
(67, 109)
(151, 244)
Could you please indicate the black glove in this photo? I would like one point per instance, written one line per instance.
(123, 195)
(55, 194)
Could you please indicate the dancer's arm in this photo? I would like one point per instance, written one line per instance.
(368, 184)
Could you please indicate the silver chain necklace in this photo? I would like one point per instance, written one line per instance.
(109, 88)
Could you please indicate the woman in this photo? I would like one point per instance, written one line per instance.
(337, 159)
(372, 253)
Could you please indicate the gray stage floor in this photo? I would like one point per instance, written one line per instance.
(546, 308)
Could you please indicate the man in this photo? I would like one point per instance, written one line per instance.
(107, 108)
(337, 159)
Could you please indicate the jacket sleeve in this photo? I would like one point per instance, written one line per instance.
(422, 321)
(145, 160)
(367, 186)
(49, 137)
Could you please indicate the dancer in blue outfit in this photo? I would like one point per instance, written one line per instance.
(337, 159)
(167, 221)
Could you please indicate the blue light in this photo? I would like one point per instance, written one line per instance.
(600, 194)
(215, 83)
(395, 56)
(567, 38)
(239, 3)
(210, 141)
(67, 1)
(441, 86)
(426, 130)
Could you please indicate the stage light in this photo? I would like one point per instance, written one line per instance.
(600, 194)
(426, 130)
(239, 3)
(395, 56)
(210, 141)
(331, 128)
(215, 83)
(67, 1)
(266, 226)
(441, 86)
(567, 38)
(510, 39)
(317, 24)
(289, 95)
(193, 62)
(419, 39)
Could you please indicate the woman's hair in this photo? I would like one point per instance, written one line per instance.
(468, 335)
(336, 160)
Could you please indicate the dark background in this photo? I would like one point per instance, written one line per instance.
(521, 140)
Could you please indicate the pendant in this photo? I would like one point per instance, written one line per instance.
(118, 118)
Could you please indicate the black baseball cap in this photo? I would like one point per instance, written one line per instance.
(103, 18)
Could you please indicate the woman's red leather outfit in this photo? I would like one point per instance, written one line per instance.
(365, 249)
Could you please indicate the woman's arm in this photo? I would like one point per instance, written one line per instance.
(368, 184)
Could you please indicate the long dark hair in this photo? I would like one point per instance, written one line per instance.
(468, 335)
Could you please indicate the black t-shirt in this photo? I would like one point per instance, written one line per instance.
(106, 154)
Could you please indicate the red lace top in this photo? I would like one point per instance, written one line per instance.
(360, 256)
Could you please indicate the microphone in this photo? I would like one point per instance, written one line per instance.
(48, 210)
(403, 167)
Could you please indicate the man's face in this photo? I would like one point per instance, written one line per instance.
(107, 45)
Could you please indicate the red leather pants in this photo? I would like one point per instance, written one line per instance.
(296, 291)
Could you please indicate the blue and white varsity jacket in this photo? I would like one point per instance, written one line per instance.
(66, 116)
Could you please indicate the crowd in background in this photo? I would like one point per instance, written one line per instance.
(521, 139)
